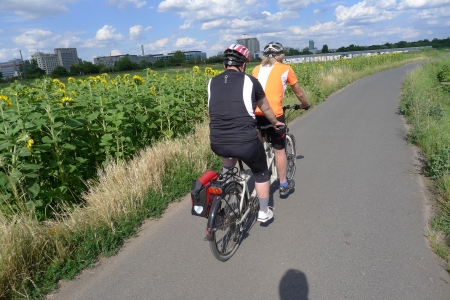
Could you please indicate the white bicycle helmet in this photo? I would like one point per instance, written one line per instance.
(273, 49)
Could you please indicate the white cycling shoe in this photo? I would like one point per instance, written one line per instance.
(264, 217)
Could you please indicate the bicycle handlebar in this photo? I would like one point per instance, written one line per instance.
(296, 107)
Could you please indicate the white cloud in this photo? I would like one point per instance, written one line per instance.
(186, 25)
(208, 10)
(116, 52)
(260, 23)
(158, 45)
(45, 41)
(219, 48)
(357, 31)
(296, 4)
(367, 11)
(136, 32)
(148, 28)
(422, 3)
(107, 33)
(403, 33)
(324, 28)
(214, 24)
(32, 9)
(34, 37)
(122, 4)
(187, 42)
(104, 37)
(327, 28)
(434, 13)
(5, 54)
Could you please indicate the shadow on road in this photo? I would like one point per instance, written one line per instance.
(293, 286)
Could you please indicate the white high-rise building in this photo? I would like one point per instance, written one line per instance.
(67, 57)
(252, 44)
(47, 62)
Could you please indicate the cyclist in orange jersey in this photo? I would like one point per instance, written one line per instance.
(274, 77)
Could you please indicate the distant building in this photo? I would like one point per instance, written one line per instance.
(109, 61)
(67, 57)
(47, 62)
(252, 45)
(311, 44)
(10, 68)
(190, 54)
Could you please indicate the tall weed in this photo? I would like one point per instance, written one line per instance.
(426, 105)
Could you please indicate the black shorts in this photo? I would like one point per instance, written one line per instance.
(276, 137)
(252, 154)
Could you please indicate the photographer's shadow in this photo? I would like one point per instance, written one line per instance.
(293, 286)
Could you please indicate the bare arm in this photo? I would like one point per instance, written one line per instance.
(300, 95)
(264, 106)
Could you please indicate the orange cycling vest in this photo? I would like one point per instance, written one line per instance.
(274, 80)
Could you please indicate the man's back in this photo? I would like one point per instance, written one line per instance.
(232, 101)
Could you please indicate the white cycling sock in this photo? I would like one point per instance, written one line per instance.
(264, 205)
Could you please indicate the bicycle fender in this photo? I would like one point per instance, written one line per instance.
(212, 216)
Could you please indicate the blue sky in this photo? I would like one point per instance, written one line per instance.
(104, 27)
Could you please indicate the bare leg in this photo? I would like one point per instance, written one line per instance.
(262, 189)
(281, 163)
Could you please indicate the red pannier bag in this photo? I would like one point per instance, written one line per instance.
(201, 199)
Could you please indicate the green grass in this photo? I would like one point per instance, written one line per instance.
(426, 105)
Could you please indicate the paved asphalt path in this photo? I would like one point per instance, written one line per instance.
(353, 229)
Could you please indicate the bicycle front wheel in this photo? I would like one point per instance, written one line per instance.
(226, 233)
(291, 156)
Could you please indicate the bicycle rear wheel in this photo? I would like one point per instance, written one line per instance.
(226, 233)
(291, 156)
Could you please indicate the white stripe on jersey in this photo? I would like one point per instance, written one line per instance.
(209, 91)
(263, 75)
(247, 95)
(284, 78)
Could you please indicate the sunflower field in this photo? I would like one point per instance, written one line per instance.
(55, 136)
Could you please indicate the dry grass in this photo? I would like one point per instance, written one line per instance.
(26, 244)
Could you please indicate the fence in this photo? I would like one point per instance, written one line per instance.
(346, 55)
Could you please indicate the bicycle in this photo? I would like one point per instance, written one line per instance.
(233, 209)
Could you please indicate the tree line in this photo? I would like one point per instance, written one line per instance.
(435, 43)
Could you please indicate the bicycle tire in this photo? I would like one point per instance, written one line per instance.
(291, 156)
(226, 234)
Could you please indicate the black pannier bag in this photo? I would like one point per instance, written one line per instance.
(201, 199)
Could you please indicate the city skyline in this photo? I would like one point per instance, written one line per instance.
(114, 27)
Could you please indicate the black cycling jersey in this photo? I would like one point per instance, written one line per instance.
(232, 98)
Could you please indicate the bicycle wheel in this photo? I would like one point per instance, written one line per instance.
(226, 233)
(291, 156)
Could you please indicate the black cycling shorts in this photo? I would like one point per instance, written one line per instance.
(252, 154)
(276, 137)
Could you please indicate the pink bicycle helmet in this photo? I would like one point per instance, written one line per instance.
(236, 55)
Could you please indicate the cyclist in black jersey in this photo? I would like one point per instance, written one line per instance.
(232, 98)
